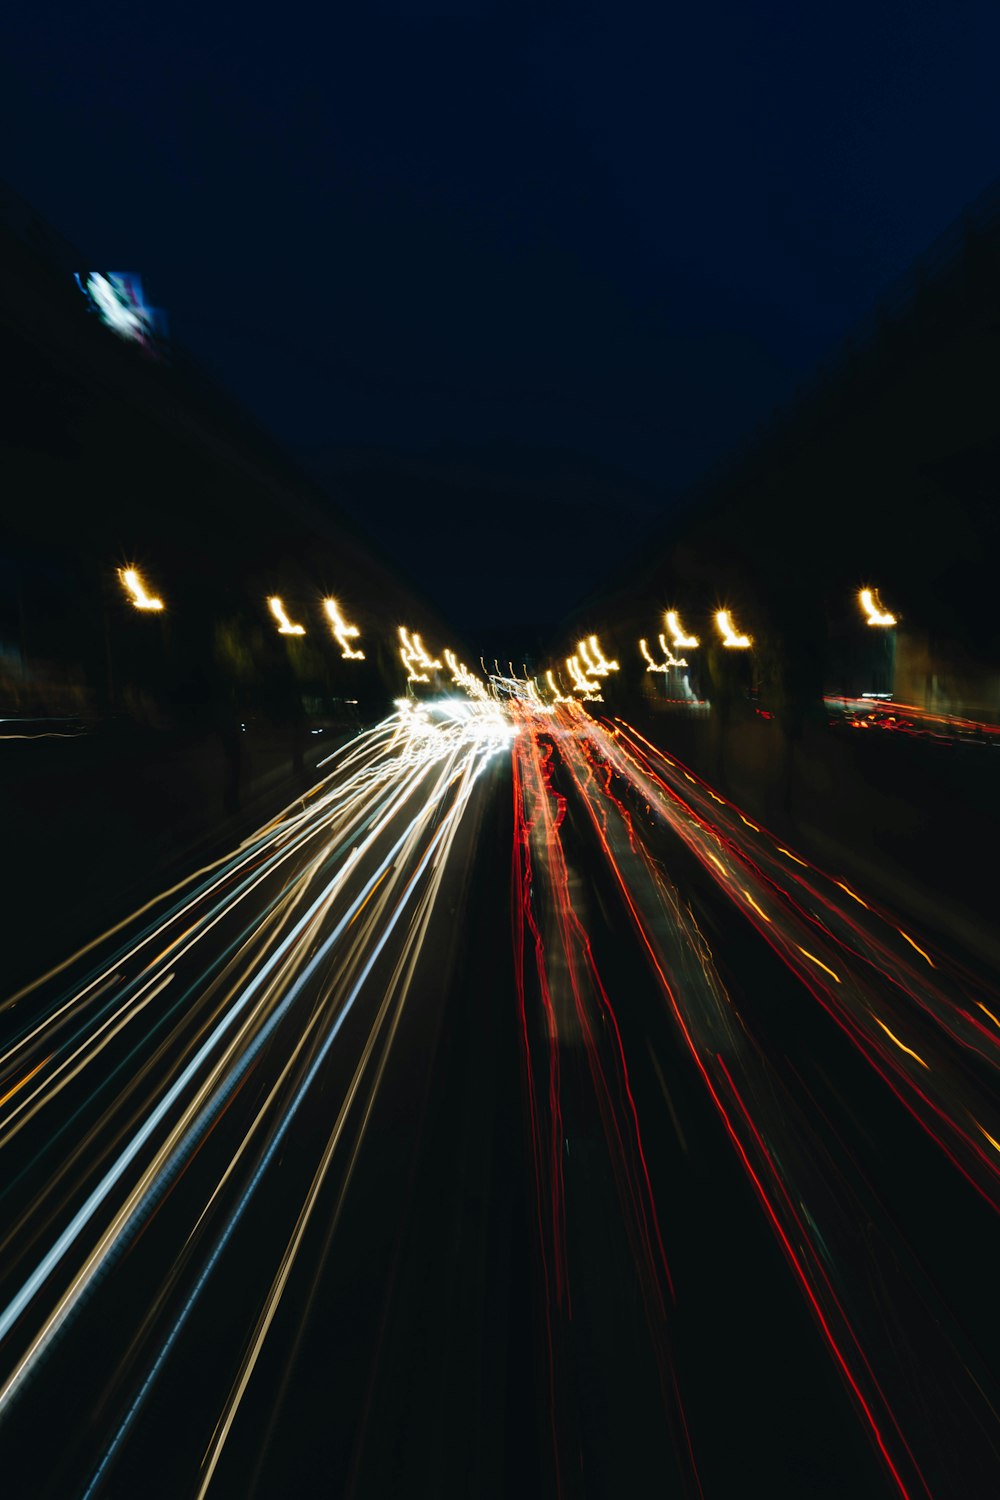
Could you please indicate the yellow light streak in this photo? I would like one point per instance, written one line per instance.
(414, 655)
(604, 666)
(285, 625)
(989, 1013)
(853, 894)
(433, 767)
(26, 1079)
(902, 1045)
(813, 959)
(731, 637)
(583, 652)
(462, 677)
(422, 655)
(792, 856)
(368, 898)
(342, 632)
(678, 634)
(917, 946)
(874, 612)
(136, 590)
(671, 659)
(758, 909)
(582, 681)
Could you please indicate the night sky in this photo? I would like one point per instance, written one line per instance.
(535, 255)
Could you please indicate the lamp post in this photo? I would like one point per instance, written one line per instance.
(881, 619)
(285, 625)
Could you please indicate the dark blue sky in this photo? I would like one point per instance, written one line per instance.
(623, 232)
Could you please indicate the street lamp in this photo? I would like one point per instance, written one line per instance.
(413, 655)
(136, 590)
(343, 633)
(462, 677)
(594, 659)
(678, 635)
(871, 604)
(582, 681)
(669, 659)
(285, 626)
(730, 635)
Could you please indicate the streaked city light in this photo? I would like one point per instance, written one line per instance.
(117, 298)
(285, 625)
(582, 681)
(342, 632)
(843, 963)
(580, 1080)
(875, 613)
(423, 656)
(375, 837)
(601, 665)
(731, 637)
(463, 678)
(680, 637)
(669, 659)
(415, 658)
(583, 654)
(409, 657)
(651, 665)
(136, 589)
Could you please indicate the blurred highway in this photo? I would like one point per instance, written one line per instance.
(511, 1115)
(911, 719)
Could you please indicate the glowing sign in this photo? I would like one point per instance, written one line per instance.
(116, 297)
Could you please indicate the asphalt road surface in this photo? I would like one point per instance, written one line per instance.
(510, 1116)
